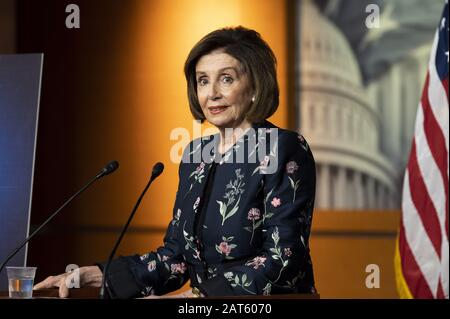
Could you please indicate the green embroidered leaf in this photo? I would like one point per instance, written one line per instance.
(258, 224)
(235, 208)
(231, 213)
(269, 215)
(233, 246)
(244, 278)
(249, 229)
(273, 250)
(236, 280)
(285, 263)
(233, 285)
(222, 207)
(292, 182)
(230, 238)
(186, 247)
(270, 193)
(275, 257)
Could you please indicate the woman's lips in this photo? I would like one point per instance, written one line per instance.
(217, 109)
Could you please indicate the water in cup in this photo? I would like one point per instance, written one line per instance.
(21, 281)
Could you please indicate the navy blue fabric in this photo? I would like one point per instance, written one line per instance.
(235, 230)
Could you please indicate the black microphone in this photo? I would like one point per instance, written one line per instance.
(157, 170)
(108, 169)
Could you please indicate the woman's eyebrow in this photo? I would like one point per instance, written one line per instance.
(229, 68)
(220, 70)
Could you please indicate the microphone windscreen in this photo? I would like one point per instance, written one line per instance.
(157, 169)
(110, 167)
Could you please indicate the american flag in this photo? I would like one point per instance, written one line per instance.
(422, 252)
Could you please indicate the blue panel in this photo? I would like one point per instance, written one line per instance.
(20, 77)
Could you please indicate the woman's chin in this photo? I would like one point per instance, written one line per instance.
(220, 122)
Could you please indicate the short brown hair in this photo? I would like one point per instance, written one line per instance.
(257, 59)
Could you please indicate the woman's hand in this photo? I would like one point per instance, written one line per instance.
(90, 276)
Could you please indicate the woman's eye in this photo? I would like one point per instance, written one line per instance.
(227, 79)
(202, 82)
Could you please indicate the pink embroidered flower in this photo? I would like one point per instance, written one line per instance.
(257, 262)
(200, 168)
(301, 138)
(276, 202)
(254, 214)
(178, 268)
(164, 258)
(291, 167)
(288, 252)
(225, 248)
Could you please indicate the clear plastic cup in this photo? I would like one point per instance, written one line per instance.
(21, 281)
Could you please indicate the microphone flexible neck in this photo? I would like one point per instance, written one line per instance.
(113, 252)
(15, 251)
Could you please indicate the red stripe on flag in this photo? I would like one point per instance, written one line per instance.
(440, 291)
(445, 84)
(414, 278)
(423, 202)
(436, 141)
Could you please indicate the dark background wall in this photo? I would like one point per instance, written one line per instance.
(7, 26)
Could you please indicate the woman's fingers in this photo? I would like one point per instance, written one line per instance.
(151, 297)
(63, 289)
(49, 282)
(55, 282)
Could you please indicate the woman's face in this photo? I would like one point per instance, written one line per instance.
(223, 89)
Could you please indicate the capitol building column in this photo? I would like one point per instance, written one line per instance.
(359, 191)
(324, 186)
(341, 187)
(370, 191)
(379, 192)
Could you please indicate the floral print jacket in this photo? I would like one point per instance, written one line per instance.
(236, 229)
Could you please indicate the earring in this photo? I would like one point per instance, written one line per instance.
(253, 99)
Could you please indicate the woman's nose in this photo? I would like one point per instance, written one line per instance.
(214, 92)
